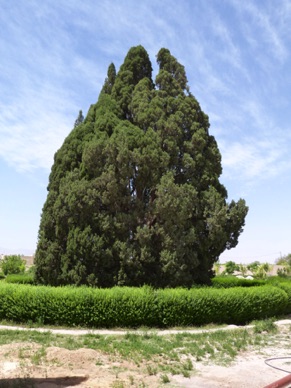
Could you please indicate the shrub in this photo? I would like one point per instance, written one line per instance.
(133, 307)
(31, 270)
(285, 260)
(286, 286)
(253, 266)
(236, 305)
(12, 264)
(261, 271)
(277, 280)
(74, 306)
(230, 267)
(23, 278)
(255, 303)
(284, 272)
(232, 281)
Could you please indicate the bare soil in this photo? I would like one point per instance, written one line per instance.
(24, 365)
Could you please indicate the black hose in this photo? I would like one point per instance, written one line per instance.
(275, 367)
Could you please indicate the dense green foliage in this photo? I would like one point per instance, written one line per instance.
(79, 119)
(277, 280)
(285, 284)
(144, 306)
(253, 266)
(285, 260)
(233, 281)
(287, 288)
(230, 267)
(12, 264)
(23, 278)
(134, 195)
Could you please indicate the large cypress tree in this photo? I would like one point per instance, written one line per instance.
(134, 195)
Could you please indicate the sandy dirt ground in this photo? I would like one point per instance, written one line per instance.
(23, 365)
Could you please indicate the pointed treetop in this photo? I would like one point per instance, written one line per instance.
(170, 64)
(79, 119)
(136, 67)
(109, 81)
(138, 62)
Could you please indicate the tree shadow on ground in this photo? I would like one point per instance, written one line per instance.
(38, 382)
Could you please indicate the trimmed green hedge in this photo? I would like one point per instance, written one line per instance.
(286, 286)
(133, 307)
(20, 278)
(232, 306)
(233, 281)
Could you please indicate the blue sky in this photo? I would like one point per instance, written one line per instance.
(54, 59)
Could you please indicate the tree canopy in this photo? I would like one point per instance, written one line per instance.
(12, 264)
(134, 195)
(79, 119)
(284, 260)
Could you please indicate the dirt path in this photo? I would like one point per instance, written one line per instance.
(59, 367)
(125, 331)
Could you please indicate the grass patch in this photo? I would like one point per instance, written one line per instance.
(166, 355)
(156, 355)
(10, 336)
(267, 326)
(165, 379)
(39, 356)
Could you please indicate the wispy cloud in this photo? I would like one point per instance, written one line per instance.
(30, 134)
(252, 161)
(262, 152)
(44, 81)
(263, 24)
(54, 60)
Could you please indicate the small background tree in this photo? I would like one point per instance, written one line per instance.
(243, 269)
(261, 271)
(230, 267)
(253, 266)
(13, 264)
(284, 260)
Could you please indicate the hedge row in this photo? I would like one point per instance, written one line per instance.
(287, 288)
(233, 281)
(20, 278)
(133, 307)
(284, 284)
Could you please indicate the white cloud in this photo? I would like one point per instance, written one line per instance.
(260, 150)
(55, 59)
(261, 25)
(256, 159)
(43, 80)
(30, 133)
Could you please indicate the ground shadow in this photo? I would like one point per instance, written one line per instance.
(38, 382)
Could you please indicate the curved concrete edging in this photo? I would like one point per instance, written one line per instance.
(140, 332)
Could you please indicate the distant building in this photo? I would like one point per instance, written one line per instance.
(29, 260)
